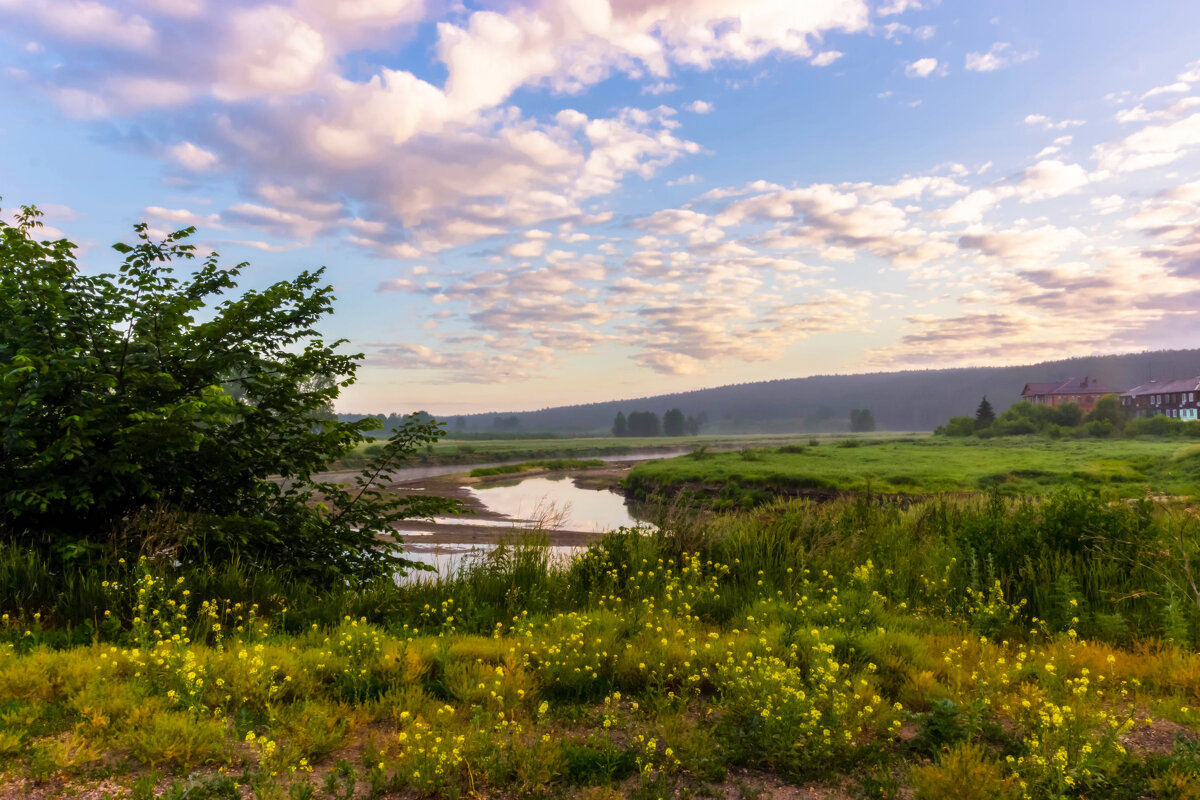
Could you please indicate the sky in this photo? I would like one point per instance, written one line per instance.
(525, 204)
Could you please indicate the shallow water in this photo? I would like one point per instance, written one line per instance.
(558, 504)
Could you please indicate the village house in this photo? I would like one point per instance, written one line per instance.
(1179, 399)
(1084, 392)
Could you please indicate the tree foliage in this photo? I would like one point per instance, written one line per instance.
(140, 396)
(674, 423)
(620, 427)
(643, 423)
(862, 420)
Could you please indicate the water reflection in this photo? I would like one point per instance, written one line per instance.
(570, 507)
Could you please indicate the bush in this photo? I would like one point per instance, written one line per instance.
(960, 426)
(964, 773)
(142, 415)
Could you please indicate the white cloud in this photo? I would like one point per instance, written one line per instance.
(1172, 88)
(699, 107)
(1050, 178)
(824, 59)
(1026, 245)
(1107, 205)
(921, 68)
(661, 87)
(182, 216)
(194, 158)
(86, 21)
(891, 7)
(1152, 146)
(1000, 55)
(1050, 124)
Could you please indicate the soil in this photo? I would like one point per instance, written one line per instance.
(1157, 738)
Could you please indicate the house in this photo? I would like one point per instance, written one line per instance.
(1084, 392)
(1179, 399)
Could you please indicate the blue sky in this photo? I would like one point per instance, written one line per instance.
(526, 204)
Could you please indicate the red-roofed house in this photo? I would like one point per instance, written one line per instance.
(1084, 392)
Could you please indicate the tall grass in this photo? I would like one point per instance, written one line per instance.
(1106, 569)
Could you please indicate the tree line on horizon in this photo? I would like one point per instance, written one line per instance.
(646, 423)
(912, 400)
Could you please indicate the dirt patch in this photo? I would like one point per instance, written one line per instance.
(1157, 738)
(742, 785)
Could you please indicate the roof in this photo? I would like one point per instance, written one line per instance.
(1069, 386)
(1165, 387)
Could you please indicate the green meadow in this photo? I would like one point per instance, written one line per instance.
(932, 465)
(475, 451)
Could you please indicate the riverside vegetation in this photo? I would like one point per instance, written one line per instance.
(186, 612)
(1013, 465)
(958, 648)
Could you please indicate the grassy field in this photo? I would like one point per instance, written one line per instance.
(457, 451)
(860, 648)
(1017, 465)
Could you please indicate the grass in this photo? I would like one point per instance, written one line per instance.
(526, 466)
(475, 451)
(947, 648)
(1014, 466)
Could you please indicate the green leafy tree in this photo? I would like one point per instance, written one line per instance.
(1069, 415)
(138, 395)
(1108, 409)
(985, 415)
(862, 420)
(620, 426)
(643, 423)
(673, 423)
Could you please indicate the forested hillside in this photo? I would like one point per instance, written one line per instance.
(910, 400)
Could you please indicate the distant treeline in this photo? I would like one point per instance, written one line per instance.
(915, 400)
(645, 423)
(1107, 419)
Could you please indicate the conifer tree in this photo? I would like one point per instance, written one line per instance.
(984, 415)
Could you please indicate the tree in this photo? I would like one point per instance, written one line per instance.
(643, 423)
(673, 423)
(620, 427)
(1069, 415)
(114, 410)
(861, 420)
(984, 415)
(1108, 409)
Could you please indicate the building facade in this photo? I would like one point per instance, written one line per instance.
(1084, 392)
(1179, 399)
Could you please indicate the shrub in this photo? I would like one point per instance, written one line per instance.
(960, 426)
(964, 773)
(145, 412)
